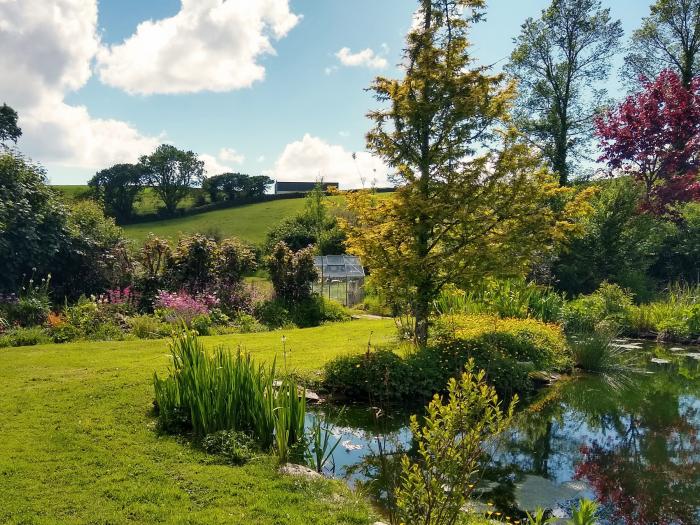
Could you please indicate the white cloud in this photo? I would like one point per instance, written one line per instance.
(365, 58)
(261, 158)
(310, 158)
(46, 54)
(222, 162)
(209, 45)
(231, 155)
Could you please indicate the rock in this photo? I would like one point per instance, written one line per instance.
(659, 361)
(299, 471)
(312, 396)
(545, 378)
(677, 349)
(693, 355)
(629, 346)
(378, 523)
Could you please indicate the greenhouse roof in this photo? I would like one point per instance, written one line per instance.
(339, 266)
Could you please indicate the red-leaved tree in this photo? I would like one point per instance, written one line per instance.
(654, 135)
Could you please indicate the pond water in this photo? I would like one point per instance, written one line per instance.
(628, 441)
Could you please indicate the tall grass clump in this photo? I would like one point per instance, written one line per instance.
(207, 392)
(597, 352)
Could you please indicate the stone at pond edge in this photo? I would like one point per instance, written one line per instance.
(300, 471)
(658, 361)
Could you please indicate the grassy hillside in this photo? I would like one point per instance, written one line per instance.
(148, 201)
(249, 222)
(79, 445)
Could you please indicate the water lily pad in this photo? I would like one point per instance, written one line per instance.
(660, 361)
(536, 491)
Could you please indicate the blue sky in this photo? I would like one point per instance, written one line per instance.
(303, 119)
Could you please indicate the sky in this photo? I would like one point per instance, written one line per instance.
(275, 87)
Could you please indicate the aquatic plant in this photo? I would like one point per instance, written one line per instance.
(597, 352)
(320, 451)
(211, 391)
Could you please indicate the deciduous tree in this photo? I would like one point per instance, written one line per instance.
(654, 136)
(117, 188)
(472, 200)
(172, 173)
(9, 130)
(669, 38)
(560, 60)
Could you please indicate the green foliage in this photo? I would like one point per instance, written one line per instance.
(373, 377)
(33, 304)
(320, 451)
(9, 130)
(560, 60)
(450, 444)
(507, 349)
(505, 297)
(213, 391)
(172, 173)
(21, 336)
(234, 186)
(618, 244)
(97, 256)
(237, 448)
(596, 351)
(117, 188)
(33, 226)
(246, 323)
(539, 518)
(313, 225)
(291, 273)
(457, 215)
(193, 263)
(149, 327)
(607, 304)
(585, 514)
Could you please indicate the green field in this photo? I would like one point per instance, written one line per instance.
(148, 201)
(250, 222)
(78, 441)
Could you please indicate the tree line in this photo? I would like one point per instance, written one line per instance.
(172, 174)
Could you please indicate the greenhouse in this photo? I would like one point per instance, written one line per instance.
(340, 278)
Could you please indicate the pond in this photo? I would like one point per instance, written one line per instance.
(628, 441)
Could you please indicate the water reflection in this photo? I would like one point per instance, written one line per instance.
(632, 444)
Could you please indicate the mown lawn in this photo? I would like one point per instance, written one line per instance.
(78, 443)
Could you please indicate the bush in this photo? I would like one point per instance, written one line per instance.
(149, 327)
(291, 273)
(237, 448)
(374, 377)
(334, 311)
(273, 313)
(192, 266)
(596, 351)
(610, 303)
(507, 349)
(24, 337)
(246, 323)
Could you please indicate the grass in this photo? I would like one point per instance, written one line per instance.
(78, 441)
(250, 222)
(148, 201)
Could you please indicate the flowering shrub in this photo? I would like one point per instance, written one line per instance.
(181, 306)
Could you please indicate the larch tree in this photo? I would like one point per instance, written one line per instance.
(472, 200)
(669, 38)
(560, 61)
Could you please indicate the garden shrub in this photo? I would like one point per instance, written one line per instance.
(192, 266)
(246, 323)
(21, 336)
(374, 376)
(291, 273)
(609, 303)
(273, 313)
(237, 448)
(149, 327)
(507, 349)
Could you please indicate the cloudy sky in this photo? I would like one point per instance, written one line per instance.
(257, 86)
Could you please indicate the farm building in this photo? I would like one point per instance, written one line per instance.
(341, 278)
(301, 187)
